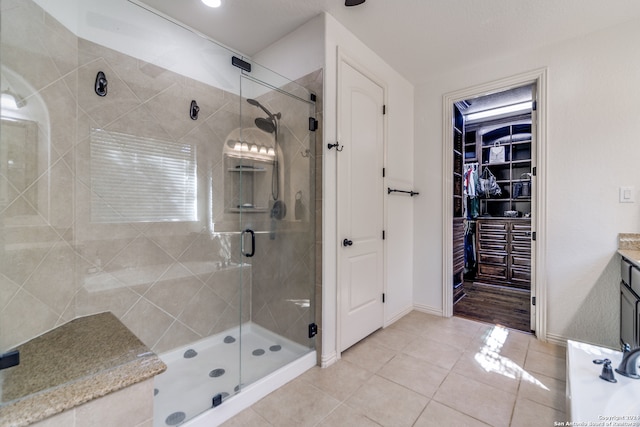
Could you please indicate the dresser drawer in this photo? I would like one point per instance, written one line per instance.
(458, 245)
(518, 237)
(521, 275)
(521, 226)
(492, 226)
(458, 259)
(492, 258)
(520, 261)
(492, 246)
(492, 271)
(519, 248)
(484, 236)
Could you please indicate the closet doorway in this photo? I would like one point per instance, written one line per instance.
(494, 161)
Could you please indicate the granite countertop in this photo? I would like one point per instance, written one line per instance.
(629, 247)
(82, 360)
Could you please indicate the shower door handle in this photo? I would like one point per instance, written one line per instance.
(253, 243)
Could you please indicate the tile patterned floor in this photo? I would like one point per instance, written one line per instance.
(425, 371)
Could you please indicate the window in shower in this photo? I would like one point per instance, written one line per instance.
(139, 179)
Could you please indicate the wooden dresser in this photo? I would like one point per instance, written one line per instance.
(504, 251)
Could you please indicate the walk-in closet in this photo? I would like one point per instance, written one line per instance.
(493, 170)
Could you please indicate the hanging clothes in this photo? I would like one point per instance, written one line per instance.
(470, 249)
(472, 204)
(470, 181)
(472, 210)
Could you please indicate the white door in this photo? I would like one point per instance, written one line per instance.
(360, 205)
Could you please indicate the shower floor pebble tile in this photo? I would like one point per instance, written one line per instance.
(377, 384)
(197, 373)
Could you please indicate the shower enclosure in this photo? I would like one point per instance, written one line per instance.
(143, 173)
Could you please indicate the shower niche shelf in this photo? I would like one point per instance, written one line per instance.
(248, 210)
(247, 169)
(247, 184)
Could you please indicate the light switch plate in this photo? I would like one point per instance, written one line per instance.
(627, 194)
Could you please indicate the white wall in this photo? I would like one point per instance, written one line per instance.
(592, 149)
(399, 167)
(129, 29)
(298, 53)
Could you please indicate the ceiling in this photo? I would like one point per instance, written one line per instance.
(418, 38)
(488, 102)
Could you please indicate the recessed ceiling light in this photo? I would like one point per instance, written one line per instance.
(212, 3)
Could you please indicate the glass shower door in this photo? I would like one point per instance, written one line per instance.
(277, 216)
(135, 199)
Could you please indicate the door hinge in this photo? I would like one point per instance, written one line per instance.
(243, 65)
(533, 236)
(383, 297)
(216, 400)
(384, 109)
(383, 234)
(313, 330)
(312, 97)
(534, 105)
(534, 171)
(384, 172)
(313, 124)
(533, 300)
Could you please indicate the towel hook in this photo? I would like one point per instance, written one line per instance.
(101, 84)
(194, 110)
(337, 145)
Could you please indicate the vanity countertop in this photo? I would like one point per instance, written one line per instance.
(592, 401)
(82, 360)
(632, 256)
(629, 247)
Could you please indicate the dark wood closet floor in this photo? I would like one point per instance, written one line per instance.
(495, 304)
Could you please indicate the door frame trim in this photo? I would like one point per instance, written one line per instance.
(343, 56)
(538, 275)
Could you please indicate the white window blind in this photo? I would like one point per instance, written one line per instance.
(138, 179)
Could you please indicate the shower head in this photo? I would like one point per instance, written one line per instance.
(270, 125)
(266, 124)
(262, 107)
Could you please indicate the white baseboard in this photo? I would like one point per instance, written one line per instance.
(397, 317)
(327, 360)
(557, 339)
(428, 309)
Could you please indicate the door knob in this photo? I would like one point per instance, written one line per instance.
(347, 242)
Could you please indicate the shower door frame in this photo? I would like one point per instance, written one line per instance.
(259, 225)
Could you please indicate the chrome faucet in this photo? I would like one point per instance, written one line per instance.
(629, 365)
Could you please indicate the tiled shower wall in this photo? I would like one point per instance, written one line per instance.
(170, 282)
